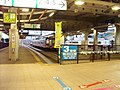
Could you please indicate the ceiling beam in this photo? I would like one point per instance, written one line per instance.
(100, 2)
(42, 15)
(31, 14)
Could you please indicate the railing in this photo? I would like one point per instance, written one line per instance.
(91, 53)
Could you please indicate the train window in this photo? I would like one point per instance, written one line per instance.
(47, 41)
(89, 36)
(99, 42)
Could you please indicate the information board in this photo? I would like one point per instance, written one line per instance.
(69, 52)
(9, 17)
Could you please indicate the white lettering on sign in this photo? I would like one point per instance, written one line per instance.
(66, 48)
(52, 4)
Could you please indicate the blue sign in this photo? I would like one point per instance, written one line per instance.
(69, 52)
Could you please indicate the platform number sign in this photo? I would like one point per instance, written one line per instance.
(69, 52)
(9, 17)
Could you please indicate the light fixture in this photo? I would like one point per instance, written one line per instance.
(115, 8)
(51, 14)
(1, 25)
(78, 2)
(1, 12)
(0, 28)
(92, 29)
(25, 9)
(78, 31)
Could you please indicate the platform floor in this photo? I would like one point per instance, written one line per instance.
(37, 76)
(25, 56)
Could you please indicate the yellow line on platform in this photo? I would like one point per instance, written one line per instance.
(35, 56)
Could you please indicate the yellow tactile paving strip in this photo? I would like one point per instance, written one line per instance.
(40, 77)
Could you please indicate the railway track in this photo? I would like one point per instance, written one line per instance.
(50, 54)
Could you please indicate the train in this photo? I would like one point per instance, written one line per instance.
(43, 42)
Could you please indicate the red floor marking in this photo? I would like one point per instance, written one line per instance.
(108, 88)
(92, 84)
(89, 85)
(103, 89)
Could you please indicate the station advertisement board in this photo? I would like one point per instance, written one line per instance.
(9, 17)
(69, 52)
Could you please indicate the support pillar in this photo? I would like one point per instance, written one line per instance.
(13, 40)
(86, 40)
(117, 38)
(95, 43)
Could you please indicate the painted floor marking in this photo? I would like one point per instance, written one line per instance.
(64, 87)
(108, 88)
(36, 57)
(93, 84)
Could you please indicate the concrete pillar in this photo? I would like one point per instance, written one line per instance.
(86, 40)
(13, 40)
(95, 39)
(117, 37)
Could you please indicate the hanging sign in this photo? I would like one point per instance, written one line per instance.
(58, 28)
(44, 4)
(9, 17)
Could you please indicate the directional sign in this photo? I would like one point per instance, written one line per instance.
(6, 2)
(52, 4)
(69, 52)
(9, 17)
(44, 4)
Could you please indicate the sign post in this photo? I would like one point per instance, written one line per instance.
(13, 34)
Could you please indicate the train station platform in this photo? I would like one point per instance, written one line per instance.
(29, 74)
(25, 56)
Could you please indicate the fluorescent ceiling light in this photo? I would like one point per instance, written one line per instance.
(51, 14)
(1, 12)
(25, 9)
(115, 8)
(92, 29)
(78, 2)
(1, 25)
